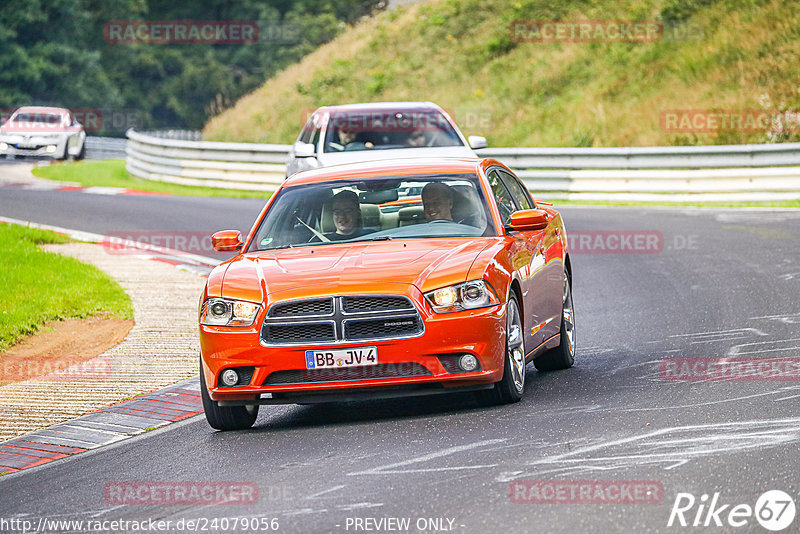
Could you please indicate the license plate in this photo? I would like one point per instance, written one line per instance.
(336, 358)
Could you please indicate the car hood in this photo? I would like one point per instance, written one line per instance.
(337, 158)
(370, 267)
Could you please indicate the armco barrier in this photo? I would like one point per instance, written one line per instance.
(248, 166)
(770, 170)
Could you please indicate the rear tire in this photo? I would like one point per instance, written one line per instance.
(226, 417)
(511, 387)
(563, 356)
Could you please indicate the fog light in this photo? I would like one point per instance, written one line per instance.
(51, 148)
(229, 377)
(468, 362)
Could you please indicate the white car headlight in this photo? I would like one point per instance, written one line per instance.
(228, 312)
(466, 296)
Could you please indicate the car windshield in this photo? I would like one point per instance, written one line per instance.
(387, 130)
(377, 209)
(43, 119)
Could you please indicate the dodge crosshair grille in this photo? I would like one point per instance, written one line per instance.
(341, 319)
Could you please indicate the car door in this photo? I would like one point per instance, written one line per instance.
(537, 272)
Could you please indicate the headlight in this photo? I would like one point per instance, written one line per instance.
(3, 146)
(466, 296)
(228, 312)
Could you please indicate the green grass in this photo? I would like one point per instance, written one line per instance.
(112, 173)
(38, 286)
(717, 54)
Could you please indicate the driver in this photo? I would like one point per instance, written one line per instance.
(348, 141)
(437, 202)
(346, 216)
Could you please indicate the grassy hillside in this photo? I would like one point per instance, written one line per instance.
(719, 55)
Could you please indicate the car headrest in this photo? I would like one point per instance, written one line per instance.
(370, 216)
(411, 215)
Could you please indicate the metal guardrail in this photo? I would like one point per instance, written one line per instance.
(250, 166)
(649, 157)
(562, 171)
(105, 147)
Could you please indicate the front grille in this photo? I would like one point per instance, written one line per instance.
(341, 319)
(383, 370)
(298, 333)
(382, 327)
(302, 308)
(371, 304)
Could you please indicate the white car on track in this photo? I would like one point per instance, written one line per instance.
(43, 132)
(378, 131)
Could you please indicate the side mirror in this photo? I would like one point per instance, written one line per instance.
(528, 220)
(227, 240)
(304, 150)
(476, 142)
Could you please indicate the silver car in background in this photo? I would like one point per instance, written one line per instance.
(378, 131)
(43, 132)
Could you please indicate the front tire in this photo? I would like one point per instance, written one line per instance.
(563, 356)
(511, 387)
(226, 417)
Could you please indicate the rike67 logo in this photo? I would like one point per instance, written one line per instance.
(774, 510)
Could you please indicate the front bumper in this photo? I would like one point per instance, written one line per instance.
(47, 147)
(478, 332)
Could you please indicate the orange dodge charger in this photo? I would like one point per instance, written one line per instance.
(387, 279)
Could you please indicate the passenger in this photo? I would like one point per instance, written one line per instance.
(417, 138)
(346, 217)
(437, 202)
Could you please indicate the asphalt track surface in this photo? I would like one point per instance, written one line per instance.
(721, 283)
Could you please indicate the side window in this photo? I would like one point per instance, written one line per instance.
(315, 137)
(305, 135)
(310, 133)
(518, 191)
(505, 203)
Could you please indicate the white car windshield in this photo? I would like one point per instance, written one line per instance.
(351, 131)
(377, 209)
(43, 119)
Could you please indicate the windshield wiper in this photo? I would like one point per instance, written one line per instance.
(382, 238)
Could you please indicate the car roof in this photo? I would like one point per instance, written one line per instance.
(382, 107)
(393, 167)
(41, 109)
